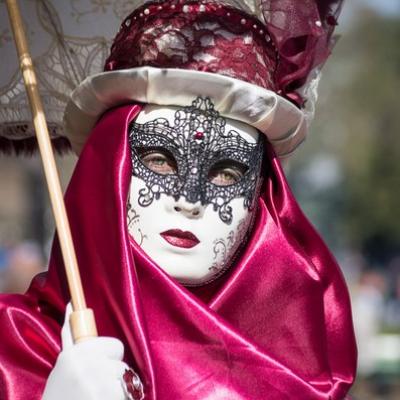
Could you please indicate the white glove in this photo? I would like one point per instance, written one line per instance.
(89, 370)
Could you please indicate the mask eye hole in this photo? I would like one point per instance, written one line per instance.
(158, 160)
(227, 172)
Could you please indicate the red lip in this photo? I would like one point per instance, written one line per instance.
(179, 238)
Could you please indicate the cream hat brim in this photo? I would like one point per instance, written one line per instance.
(281, 121)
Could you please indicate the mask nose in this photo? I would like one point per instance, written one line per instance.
(189, 210)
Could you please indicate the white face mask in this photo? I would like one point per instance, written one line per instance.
(195, 178)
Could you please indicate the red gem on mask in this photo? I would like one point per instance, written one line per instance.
(199, 135)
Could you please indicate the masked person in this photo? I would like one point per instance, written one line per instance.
(206, 279)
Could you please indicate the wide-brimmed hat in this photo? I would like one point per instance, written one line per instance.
(257, 60)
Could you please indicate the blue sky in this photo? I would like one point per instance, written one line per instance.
(386, 7)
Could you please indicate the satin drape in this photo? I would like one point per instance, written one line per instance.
(276, 326)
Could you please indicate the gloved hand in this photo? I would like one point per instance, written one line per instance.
(90, 370)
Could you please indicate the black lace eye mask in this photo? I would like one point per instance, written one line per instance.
(197, 141)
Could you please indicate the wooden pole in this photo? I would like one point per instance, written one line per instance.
(82, 319)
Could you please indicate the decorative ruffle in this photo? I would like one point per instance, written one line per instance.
(302, 32)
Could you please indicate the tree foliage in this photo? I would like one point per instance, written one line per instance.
(358, 123)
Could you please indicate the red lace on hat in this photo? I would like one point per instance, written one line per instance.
(275, 44)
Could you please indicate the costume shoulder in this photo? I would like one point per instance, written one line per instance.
(30, 343)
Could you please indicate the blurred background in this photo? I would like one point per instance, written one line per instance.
(346, 177)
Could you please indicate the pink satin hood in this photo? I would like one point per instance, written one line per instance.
(277, 326)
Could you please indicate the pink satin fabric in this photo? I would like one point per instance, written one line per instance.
(277, 326)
